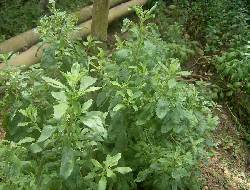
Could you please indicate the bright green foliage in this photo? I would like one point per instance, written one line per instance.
(121, 121)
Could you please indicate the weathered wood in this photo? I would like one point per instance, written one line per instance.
(99, 27)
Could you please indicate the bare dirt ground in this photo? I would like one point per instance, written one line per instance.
(227, 169)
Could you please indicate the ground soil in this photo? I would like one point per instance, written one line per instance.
(227, 168)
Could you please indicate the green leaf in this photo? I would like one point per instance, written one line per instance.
(26, 140)
(112, 160)
(162, 108)
(54, 83)
(35, 148)
(46, 133)
(60, 96)
(95, 123)
(92, 121)
(96, 163)
(172, 83)
(23, 124)
(75, 69)
(92, 89)
(110, 173)
(67, 164)
(90, 175)
(60, 110)
(86, 82)
(87, 105)
(118, 107)
(179, 173)
(102, 183)
(142, 175)
(123, 170)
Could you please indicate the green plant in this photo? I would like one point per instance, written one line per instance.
(155, 116)
(59, 153)
(122, 121)
(234, 65)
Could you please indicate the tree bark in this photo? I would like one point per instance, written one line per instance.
(44, 4)
(99, 27)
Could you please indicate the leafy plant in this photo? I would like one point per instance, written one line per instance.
(153, 115)
(125, 120)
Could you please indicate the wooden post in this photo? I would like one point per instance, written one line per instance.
(99, 27)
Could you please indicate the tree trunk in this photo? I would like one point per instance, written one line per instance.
(44, 5)
(99, 27)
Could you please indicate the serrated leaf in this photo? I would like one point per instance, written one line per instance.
(123, 170)
(162, 108)
(86, 82)
(54, 83)
(95, 122)
(67, 163)
(46, 133)
(60, 110)
(102, 183)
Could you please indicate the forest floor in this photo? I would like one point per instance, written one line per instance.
(227, 169)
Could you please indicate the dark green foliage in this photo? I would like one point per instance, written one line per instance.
(222, 27)
(217, 24)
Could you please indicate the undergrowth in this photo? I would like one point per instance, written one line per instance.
(222, 27)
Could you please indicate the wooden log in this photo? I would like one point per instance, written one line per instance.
(30, 37)
(34, 54)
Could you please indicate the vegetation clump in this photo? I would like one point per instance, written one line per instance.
(124, 120)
